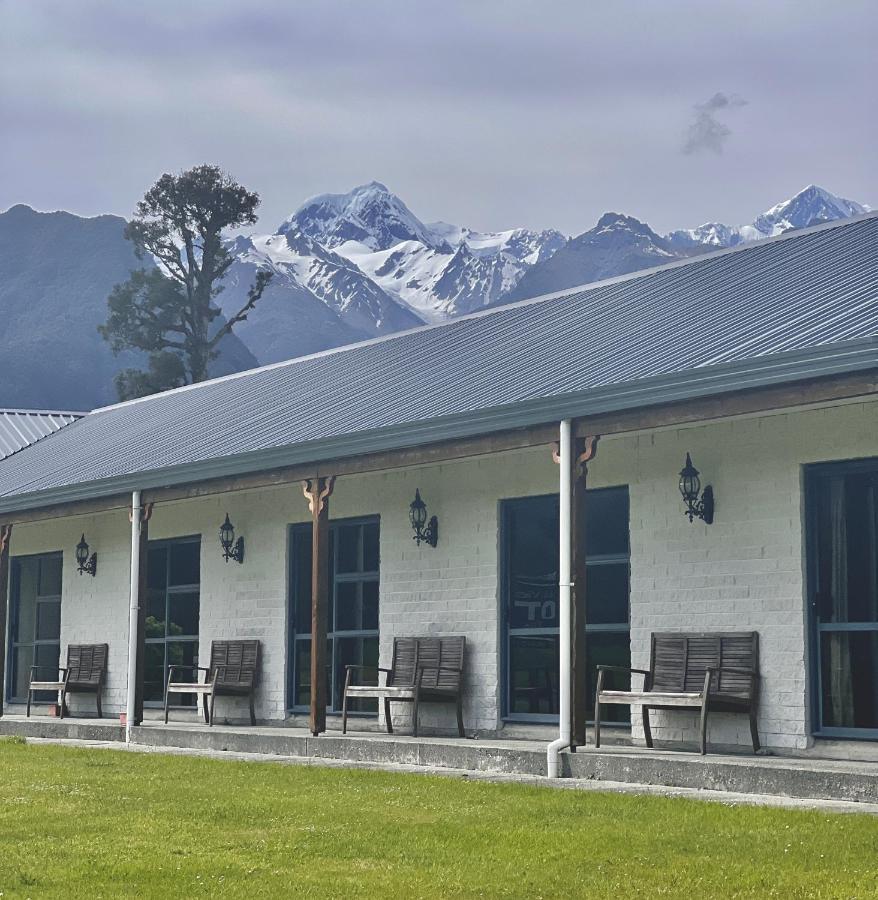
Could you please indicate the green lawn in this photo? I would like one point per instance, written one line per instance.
(99, 823)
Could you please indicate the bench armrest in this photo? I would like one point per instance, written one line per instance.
(61, 670)
(622, 669)
(349, 670)
(173, 668)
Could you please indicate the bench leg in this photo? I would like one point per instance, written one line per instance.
(212, 698)
(30, 694)
(460, 730)
(63, 705)
(167, 694)
(387, 720)
(597, 721)
(204, 710)
(98, 699)
(647, 731)
(252, 708)
(344, 713)
(415, 714)
(704, 727)
(754, 733)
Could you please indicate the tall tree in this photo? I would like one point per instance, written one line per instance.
(168, 311)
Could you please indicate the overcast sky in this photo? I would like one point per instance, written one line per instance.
(488, 114)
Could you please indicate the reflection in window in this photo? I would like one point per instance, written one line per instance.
(352, 628)
(172, 615)
(530, 596)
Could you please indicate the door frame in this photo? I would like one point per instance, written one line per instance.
(812, 473)
(12, 617)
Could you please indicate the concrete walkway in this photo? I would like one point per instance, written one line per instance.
(727, 777)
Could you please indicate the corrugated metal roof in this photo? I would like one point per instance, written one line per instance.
(19, 428)
(793, 307)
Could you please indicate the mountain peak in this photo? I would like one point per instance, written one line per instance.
(810, 206)
(369, 214)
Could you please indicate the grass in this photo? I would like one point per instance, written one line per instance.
(102, 823)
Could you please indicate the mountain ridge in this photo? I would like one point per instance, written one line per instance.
(348, 267)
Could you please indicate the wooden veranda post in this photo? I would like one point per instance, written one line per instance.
(317, 492)
(5, 535)
(142, 574)
(584, 451)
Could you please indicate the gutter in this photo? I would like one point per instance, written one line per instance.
(760, 372)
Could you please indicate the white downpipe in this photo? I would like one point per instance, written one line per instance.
(133, 614)
(565, 652)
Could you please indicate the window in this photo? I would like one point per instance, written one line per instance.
(843, 567)
(36, 622)
(172, 610)
(530, 599)
(352, 627)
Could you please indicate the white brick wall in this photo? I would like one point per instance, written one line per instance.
(743, 572)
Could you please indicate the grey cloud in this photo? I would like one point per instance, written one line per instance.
(707, 132)
(490, 114)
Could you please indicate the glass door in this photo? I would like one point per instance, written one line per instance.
(530, 600)
(843, 563)
(35, 622)
(173, 603)
(352, 626)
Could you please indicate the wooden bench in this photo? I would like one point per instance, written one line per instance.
(233, 672)
(423, 670)
(84, 674)
(705, 671)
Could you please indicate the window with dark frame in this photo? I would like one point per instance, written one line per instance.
(172, 614)
(35, 624)
(843, 587)
(352, 627)
(530, 600)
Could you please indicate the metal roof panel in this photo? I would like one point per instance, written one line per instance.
(776, 309)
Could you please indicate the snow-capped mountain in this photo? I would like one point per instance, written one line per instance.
(434, 271)
(369, 214)
(617, 245)
(810, 206)
(347, 267)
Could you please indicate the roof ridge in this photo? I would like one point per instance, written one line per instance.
(494, 310)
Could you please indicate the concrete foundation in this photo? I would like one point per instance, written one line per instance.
(792, 777)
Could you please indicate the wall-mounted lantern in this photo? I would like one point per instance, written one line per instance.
(86, 564)
(418, 518)
(697, 507)
(232, 549)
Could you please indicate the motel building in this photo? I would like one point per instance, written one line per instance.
(517, 477)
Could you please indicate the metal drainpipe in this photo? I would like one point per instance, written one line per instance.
(565, 447)
(133, 614)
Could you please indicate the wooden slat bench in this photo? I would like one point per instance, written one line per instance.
(233, 672)
(423, 670)
(84, 674)
(704, 671)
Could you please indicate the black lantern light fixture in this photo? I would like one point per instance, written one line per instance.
(697, 507)
(418, 518)
(86, 563)
(232, 549)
